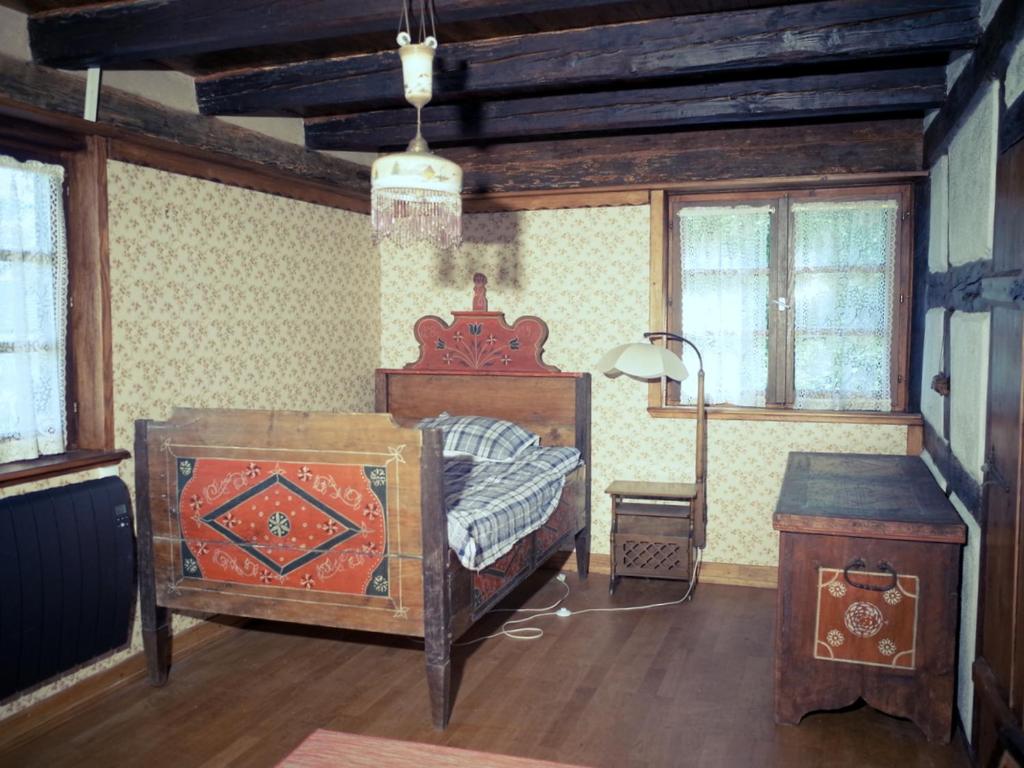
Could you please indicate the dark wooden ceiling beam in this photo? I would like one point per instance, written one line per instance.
(760, 152)
(122, 33)
(901, 90)
(989, 62)
(829, 31)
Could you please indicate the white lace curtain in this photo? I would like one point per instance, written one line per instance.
(725, 279)
(844, 263)
(33, 309)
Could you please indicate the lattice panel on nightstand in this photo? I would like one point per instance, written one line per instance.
(643, 557)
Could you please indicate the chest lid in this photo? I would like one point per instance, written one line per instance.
(886, 497)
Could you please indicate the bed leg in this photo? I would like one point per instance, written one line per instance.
(155, 619)
(156, 641)
(439, 683)
(583, 553)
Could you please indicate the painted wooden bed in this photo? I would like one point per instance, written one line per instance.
(336, 519)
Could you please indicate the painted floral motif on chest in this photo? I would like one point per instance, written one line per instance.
(304, 526)
(858, 625)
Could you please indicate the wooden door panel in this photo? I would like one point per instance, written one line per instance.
(999, 670)
(1000, 538)
(1008, 241)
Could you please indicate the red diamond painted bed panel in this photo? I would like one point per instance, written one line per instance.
(309, 526)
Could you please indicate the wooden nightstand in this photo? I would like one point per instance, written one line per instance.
(652, 530)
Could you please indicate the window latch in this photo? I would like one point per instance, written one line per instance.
(781, 303)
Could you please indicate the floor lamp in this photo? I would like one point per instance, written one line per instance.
(652, 361)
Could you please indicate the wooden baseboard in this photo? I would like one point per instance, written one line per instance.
(760, 576)
(50, 712)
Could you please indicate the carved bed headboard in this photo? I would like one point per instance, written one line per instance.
(481, 365)
(480, 341)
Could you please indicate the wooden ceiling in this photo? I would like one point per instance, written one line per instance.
(527, 70)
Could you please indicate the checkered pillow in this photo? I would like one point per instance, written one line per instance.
(482, 438)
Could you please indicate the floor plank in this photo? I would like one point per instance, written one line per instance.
(687, 685)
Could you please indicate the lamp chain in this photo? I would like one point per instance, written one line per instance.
(403, 20)
(426, 12)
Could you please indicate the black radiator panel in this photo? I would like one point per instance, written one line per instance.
(67, 579)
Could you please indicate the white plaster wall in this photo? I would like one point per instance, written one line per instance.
(987, 9)
(938, 217)
(1014, 84)
(972, 182)
(969, 575)
(969, 352)
(14, 34)
(932, 407)
(955, 67)
(961, 231)
(970, 570)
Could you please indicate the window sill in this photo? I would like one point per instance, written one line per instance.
(16, 472)
(733, 413)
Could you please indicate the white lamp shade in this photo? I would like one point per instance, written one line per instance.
(418, 72)
(415, 197)
(416, 170)
(643, 361)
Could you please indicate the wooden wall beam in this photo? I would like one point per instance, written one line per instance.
(237, 175)
(989, 62)
(90, 370)
(888, 91)
(670, 159)
(117, 34)
(605, 56)
(958, 479)
(919, 307)
(55, 99)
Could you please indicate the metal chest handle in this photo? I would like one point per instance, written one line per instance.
(860, 565)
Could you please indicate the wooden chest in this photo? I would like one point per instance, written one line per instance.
(869, 567)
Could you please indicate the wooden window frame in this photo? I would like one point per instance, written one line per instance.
(664, 293)
(89, 372)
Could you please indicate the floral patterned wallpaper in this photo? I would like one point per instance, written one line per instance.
(224, 297)
(586, 272)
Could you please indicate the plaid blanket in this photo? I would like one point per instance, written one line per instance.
(491, 505)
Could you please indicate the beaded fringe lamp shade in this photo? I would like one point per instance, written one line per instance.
(416, 195)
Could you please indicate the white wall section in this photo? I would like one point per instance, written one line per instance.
(968, 335)
(938, 217)
(972, 182)
(932, 403)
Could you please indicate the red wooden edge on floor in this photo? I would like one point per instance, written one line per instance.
(329, 749)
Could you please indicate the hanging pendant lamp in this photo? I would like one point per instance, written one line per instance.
(416, 196)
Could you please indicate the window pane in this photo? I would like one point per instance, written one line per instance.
(724, 269)
(844, 261)
(26, 223)
(33, 310)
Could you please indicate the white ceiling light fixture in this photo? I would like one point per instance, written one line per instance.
(416, 196)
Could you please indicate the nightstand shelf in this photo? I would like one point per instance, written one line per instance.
(652, 530)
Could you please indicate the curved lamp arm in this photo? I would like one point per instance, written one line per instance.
(676, 337)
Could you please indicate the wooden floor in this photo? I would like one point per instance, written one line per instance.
(689, 685)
